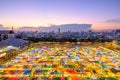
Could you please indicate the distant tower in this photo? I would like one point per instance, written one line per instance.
(58, 30)
(11, 34)
(12, 28)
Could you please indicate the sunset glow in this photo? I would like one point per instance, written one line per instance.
(102, 14)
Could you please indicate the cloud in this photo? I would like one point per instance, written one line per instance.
(66, 27)
(27, 28)
(113, 21)
(2, 27)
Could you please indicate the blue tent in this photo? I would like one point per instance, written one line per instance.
(26, 72)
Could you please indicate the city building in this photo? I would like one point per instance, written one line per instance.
(5, 34)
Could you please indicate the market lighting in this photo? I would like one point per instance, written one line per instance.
(56, 60)
(3, 54)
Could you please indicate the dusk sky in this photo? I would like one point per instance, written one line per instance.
(103, 14)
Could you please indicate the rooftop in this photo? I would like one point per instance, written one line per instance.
(13, 42)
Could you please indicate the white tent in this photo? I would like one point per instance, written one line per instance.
(13, 42)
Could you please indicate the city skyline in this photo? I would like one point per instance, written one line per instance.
(102, 14)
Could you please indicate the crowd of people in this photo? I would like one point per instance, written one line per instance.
(55, 61)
